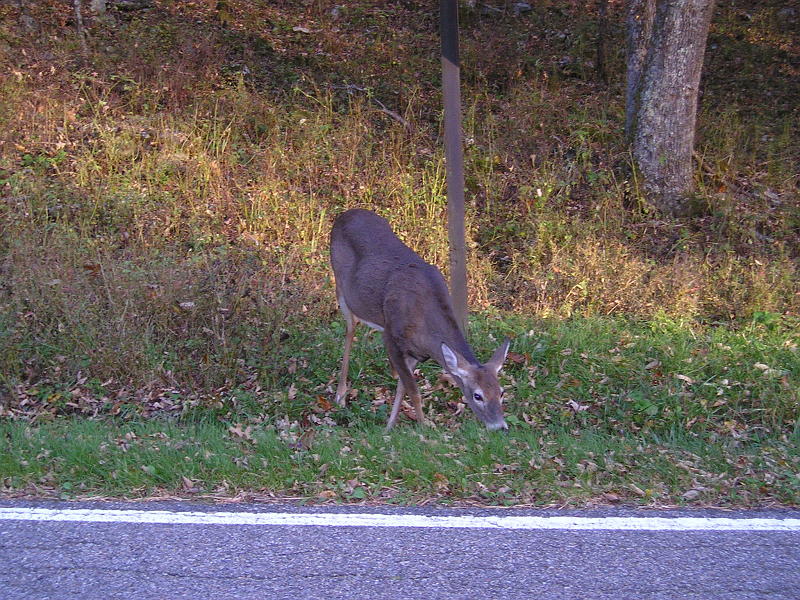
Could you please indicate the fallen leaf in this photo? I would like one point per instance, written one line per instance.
(575, 407)
(324, 404)
(691, 495)
(637, 490)
(440, 482)
(445, 378)
(767, 370)
(305, 441)
(516, 358)
(242, 433)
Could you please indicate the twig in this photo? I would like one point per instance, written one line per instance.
(350, 88)
(716, 176)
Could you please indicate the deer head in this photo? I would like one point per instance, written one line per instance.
(479, 384)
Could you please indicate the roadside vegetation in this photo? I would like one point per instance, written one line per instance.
(167, 317)
(601, 411)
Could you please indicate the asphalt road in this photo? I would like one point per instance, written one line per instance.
(64, 560)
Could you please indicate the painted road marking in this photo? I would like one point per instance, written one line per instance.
(402, 520)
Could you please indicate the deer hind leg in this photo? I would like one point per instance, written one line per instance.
(351, 322)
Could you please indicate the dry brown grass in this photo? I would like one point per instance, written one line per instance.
(199, 164)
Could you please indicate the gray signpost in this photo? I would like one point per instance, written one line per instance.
(454, 158)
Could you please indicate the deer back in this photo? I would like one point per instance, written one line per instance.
(380, 278)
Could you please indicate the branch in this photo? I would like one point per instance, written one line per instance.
(350, 88)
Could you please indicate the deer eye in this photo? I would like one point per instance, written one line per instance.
(477, 397)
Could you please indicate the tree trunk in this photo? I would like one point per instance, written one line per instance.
(666, 45)
(602, 39)
(25, 18)
(81, 32)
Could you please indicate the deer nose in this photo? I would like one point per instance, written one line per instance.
(501, 426)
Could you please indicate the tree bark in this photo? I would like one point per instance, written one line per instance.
(666, 45)
(25, 18)
(81, 32)
(602, 40)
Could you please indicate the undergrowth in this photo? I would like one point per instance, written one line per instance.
(166, 205)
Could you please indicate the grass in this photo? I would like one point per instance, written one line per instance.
(601, 411)
(165, 209)
(80, 459)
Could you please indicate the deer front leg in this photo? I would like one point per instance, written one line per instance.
(404, 367)
(398, 400)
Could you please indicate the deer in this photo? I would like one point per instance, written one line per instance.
(385, 285)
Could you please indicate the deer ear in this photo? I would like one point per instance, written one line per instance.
(453, 362)
(496, 362)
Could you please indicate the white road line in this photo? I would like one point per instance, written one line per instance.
(402, 520)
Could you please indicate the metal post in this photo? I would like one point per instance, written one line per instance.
(454, 157)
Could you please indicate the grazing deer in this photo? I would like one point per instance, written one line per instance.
(386, 285)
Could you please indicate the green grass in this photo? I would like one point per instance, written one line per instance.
(550, 466)
(601, 410)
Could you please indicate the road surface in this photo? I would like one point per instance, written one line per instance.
(179, 550)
